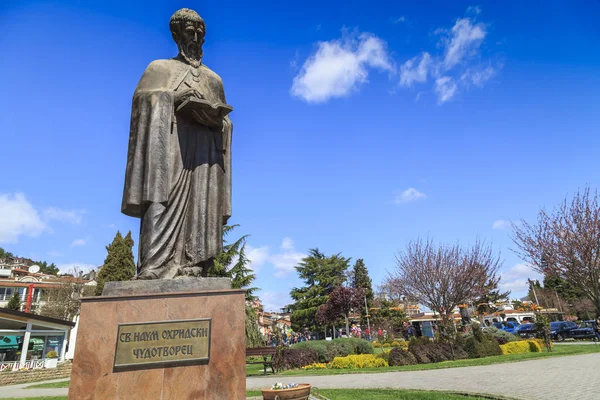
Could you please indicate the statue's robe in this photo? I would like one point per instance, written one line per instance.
(178, 177)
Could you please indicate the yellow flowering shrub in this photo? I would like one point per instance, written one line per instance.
(376, 344)
(315, 366)
(358, 361)
(521, 346)
(534, 346)
(386, 345)
(395, 344)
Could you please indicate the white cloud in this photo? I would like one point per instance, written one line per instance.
(274, 301)
(463, 41)
(479, 76)
(70, 216)
(79, 242)
(459, 63)
(18, 218)
(445, 88)
(415, 70)
(474, 10)
(285, 262)
(399, 20)
(515, 279)
(410, 195)
(257, 256)
(287, 243)
(340, 67)
(501, 224)
(71, 267)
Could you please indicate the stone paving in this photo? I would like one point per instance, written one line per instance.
(564, 378)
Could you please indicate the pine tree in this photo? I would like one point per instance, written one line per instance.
(361, 279)
(232, 263)
(321, 276)
(119, 264)
(15, 302)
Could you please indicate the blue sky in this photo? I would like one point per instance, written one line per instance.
(356, 129)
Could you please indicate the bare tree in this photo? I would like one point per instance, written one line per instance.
(441, 277)
(566, 243)
(63, 301)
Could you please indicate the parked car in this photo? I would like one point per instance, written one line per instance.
(586, 330)
(560, 330)
(508, 326)
(526, 331)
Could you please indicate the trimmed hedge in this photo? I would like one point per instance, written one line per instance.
(523, 346)
(398, 357)
(436, 352)
(328, 350)
(297, 358)
(358, 361)
(515, 347)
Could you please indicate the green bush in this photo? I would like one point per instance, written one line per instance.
(486, 346)
(400, 357)
(328, 350)
(362, 346)
(503, 335)
(298, 358)
(340, 348)
(386, 345)
(319, 346)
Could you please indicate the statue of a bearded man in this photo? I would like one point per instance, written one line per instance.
(178, 178)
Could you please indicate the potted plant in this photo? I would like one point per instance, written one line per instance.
(51, 359)
(290, 391)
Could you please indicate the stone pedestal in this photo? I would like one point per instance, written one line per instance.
(222, 376)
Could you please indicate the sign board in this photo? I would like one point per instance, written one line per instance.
(163, 343)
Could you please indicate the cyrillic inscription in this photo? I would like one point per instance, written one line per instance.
(169, 342)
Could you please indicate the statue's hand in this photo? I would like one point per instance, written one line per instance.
(182, 96)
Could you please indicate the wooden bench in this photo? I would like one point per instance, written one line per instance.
(263, 352)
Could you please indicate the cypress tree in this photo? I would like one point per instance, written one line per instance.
(361, 280)
(119, 264)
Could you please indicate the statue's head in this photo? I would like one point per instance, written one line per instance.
(188, 29)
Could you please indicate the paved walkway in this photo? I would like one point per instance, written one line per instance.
(19, 391)
(565, 378)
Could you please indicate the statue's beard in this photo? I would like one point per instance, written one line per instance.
(192, 53)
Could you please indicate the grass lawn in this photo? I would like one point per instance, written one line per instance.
(63, 384)
(356, 394)
(556, 352)
(388, 394)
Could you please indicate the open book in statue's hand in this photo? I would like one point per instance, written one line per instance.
(204, 112)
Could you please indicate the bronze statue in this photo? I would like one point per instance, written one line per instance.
(178, 177)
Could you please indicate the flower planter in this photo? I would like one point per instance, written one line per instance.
(302, 392)
(50, 362)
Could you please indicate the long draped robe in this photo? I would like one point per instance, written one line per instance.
(178, 177)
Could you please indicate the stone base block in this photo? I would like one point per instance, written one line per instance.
(223, 376)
